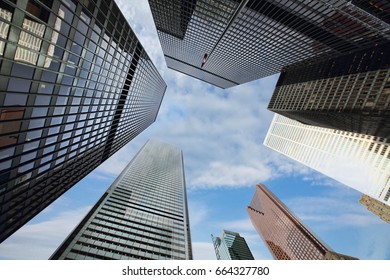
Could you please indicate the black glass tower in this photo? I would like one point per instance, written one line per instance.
(349, 92)
(227, 43)
(143, 215)
(75, 86)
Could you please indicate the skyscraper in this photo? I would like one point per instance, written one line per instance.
(76, 85)
(285, 235)
(231, 42)
(350, 92)
(336, 154)
(376, 207)
(231, 246)
(143, 215)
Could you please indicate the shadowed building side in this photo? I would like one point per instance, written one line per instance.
(227, 43)
(76, 86)
(350, 92)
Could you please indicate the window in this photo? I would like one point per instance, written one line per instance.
(15, 99)
(19, 85)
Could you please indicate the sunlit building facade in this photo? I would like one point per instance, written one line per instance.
(376, 207)
(285, 235)
(75, 86)
(231, 246)
(227, 43)
(336, 154)
(143, 215)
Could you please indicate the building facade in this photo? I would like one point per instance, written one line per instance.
(350, 92)
(227, 43)
(76, 85)
(231, 246)
(143, 215)
(336, 154)
(378, 208)
(284, 234)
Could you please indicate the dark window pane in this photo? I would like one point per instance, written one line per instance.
(19, 85)
(22, 71)
(46, 88)
(15, 99)
(39, 112)
(42, 100)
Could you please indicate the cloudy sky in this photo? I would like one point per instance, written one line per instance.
(221, 134)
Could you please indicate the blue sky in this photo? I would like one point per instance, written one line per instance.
(221, 134)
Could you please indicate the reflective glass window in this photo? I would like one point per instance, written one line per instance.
(26, 167)
(14, 99)
(42, 100)
(19, 85)
(28, 157)
(30, 146)
(4, 153)
(39, 112)
(45, 88)
(5, 164)
(22, 71)
(34, 134)
(36, 123)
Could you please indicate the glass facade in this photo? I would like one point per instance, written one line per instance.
(336, 154)
(285, 235)
(351, 92)
(75, 86)
(231, 42)
(231, 246)
(143, 215)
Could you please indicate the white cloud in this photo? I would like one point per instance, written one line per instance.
(198, 213)
(238, 225)
(328, 213)
(203, 251)
(39, 240)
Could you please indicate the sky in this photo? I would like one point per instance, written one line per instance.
(221, 133)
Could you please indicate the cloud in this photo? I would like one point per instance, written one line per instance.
(238, 225)
(39, 240)
(203, 251)
(199, 213)
(329, 213)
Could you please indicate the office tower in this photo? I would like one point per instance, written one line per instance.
(350, 92)
(227, 43)
(359, 161)
(376, 207)
(231, 246)
(76, 85)
(285, 235)
(143, 215)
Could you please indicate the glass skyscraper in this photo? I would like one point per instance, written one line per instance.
(336, 154)
(350, 92)
(284, 234)
(231, 246)
(143, 215)
(75, 86)
(227, 43)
